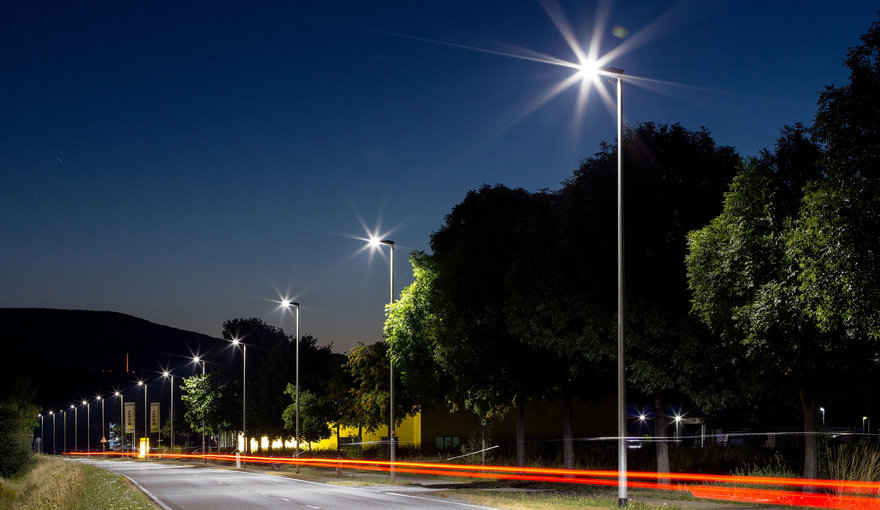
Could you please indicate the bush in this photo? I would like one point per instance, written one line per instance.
(18, 418)
(859, 462)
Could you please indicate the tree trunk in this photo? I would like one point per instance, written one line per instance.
(810, 407)
(661, 435)
(567, 441)
(337, 439)
(483, 437)
(520, 434)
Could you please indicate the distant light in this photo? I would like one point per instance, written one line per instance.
(677, 418)
(165, 374)
(72, 406)
(236, 341)
(642, 417)
(375, 242)
(196, 359)
(285, 303)
(51, 412)
(85, 403)
(117, 394)
(140, 383)
(98, 397)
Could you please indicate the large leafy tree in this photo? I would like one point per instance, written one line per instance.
(473, 253)
(369, 397)
(314, 415)
(837, 239)
(745, 283)
(673, 181)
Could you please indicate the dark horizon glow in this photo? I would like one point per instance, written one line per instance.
(187, 164)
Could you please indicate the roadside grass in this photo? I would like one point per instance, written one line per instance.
(541, 500)
(67, 485)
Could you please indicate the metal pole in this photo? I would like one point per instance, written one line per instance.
(75, 427)
(297, 386)
(244, 397)
(88, 426)
(393, 450)
(146, 417)
(42, 438)
(621, 375)
(103, 437)
(172, 415)
(204, 460)
(53, 431)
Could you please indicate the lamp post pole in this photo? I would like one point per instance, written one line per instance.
(392, 448)
(199, 360)
(42, 439)
(88, 425)
(296, 331)
(103, 437)
(64, 441)
(52, 413)
(121, 423)
(75, 427)
(236, 342)
(168, 375)
(621, 366)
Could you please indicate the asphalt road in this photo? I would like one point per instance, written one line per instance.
(179, 487)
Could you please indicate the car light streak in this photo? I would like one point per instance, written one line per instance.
(681, 482)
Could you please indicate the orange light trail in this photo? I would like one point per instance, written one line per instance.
(639, 479)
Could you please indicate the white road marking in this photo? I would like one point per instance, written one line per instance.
(436, 500)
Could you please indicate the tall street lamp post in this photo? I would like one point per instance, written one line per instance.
(42, 439)
(75, 426)
(121, 424)
(103, 437)
(287, 304)
(391, 422)
(52, 413)
(64, 441)
(236, 342)
(199, 360)
(88, 425)
(171, 377)
(146, 419)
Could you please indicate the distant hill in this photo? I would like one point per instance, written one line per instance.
(64, 350)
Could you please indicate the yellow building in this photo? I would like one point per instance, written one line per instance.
(409, 435)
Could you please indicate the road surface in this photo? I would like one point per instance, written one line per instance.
(179, 487)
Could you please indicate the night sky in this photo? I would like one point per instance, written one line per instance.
(190, 162)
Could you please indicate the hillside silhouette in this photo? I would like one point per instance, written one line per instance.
(72, 353)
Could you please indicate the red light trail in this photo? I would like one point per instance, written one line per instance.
(840, 494)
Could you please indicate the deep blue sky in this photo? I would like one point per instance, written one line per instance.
(186, 162)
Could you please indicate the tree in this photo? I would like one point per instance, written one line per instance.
(836, 241)
(473, 253)
(566, 296)
(18, 418)
(315, 415)
(369, 369)
(202, 396)
(745, 283)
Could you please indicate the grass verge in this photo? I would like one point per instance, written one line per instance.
(551, 500)
(68, 485)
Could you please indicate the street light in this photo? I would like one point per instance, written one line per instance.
(375, 242)
(75, 427)
(42, 439)
(103, 437)
(287, 304)
(52, 413)
(146, 419)
(197, 360)
(121, 424)
(169, 375)
(236, 342)
(64, 441)
(88, 425)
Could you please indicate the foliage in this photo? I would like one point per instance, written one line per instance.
(369, 369)
(18, 417)
(860, 462)
(314, 415)
(201, 396)
(837, 239)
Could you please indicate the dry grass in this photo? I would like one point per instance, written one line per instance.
(552, 500)
(860, 462)
(67, 485)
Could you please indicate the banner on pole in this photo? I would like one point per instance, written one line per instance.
(129, 417)
(154, 417)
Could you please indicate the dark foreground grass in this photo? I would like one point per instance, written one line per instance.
(69, 485)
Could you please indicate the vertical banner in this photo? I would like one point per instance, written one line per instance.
(154, 417)
(129, 417)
